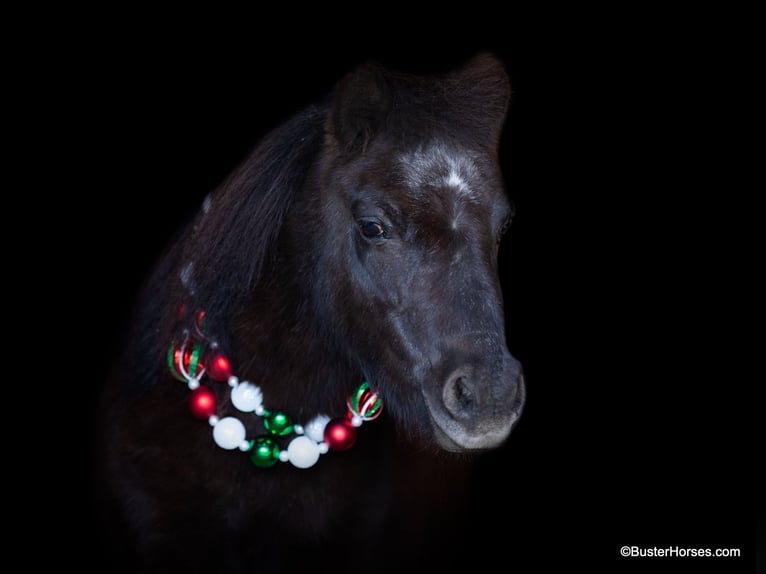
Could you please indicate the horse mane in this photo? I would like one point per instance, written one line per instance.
(218, 258)
(231, 241)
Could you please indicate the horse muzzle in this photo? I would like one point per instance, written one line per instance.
(476, 409)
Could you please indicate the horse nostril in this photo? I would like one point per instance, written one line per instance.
(459, 396)
(462, 393)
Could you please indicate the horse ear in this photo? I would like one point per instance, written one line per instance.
(361, 103)
(482, 92)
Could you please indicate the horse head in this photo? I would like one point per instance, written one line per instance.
(410, 207)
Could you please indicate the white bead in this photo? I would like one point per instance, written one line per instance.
(229, 433)
(283, 456)
(233, 381)
(213, 420)
(193, 384)
(246, 397)
(244, 446)
(260, 410)
(356, 421)
(323, 448)
(314, 429)
(298, 429)
(303, 452)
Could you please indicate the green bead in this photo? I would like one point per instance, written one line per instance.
(365, 402)
(277, 423)
(264, 452)
(188, 361)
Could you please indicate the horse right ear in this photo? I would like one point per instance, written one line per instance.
(361, 103)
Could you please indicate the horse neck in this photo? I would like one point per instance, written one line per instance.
(281, 347)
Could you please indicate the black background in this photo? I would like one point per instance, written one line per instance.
(635, 432)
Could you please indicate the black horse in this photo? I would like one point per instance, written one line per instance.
(346, 273)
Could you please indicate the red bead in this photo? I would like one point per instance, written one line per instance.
(218, 367)
(339, 434)
(202, 402)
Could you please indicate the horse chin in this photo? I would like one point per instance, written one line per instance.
(453, 439)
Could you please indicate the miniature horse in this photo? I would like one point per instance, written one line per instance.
(317, 357)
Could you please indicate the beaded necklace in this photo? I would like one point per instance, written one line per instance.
(195, 356)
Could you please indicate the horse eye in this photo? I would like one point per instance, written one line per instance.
(372, 229)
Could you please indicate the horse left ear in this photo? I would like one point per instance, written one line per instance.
(481, 93)
(361, 103)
